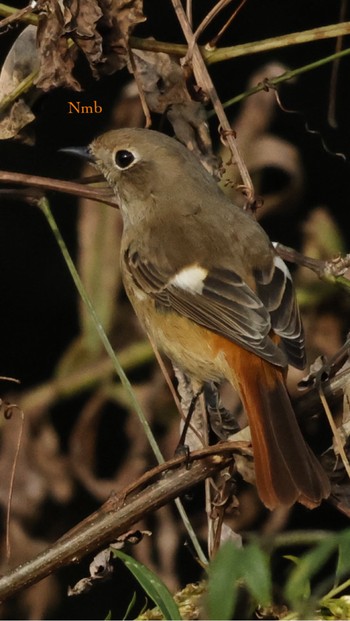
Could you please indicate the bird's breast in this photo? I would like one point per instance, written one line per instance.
(188, 344)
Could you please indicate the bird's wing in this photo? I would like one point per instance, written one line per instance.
(218, 300)
(275, 290)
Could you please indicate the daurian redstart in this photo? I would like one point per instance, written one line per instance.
(207, 285)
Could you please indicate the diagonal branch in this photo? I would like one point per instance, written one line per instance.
(120, 513)
(99, 194)
(204, 81)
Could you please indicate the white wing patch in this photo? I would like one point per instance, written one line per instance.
(280, 263)
(190, 279)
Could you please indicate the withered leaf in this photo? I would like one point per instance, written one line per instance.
(162, 80)
(99, 28)
(84, 17)
(15, 119)
(57, 57)
(101, 567)
(164, 86)
(132, 536)
(21, 60)
(119, 19)
(82, 586)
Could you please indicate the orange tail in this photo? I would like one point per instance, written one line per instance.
(286, 469)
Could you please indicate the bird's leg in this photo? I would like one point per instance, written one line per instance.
(222, 422)
(182, 447)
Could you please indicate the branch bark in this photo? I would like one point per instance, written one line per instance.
(100, 194)
(120, 513)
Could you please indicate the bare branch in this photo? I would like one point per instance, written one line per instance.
(204, 81)
(99, 194)
(333, 269)
(118, 514)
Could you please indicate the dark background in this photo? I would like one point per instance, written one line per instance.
(38, 299)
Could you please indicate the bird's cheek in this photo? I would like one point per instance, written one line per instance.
(111, 176)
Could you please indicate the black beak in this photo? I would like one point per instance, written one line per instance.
(82, 152)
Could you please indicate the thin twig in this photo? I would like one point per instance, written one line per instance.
(335, 431)
(4, 378)
(333, 269)
(99, 194)
(141, 93)
(204, 81)
(335, 71)
(18, 14)
(189, 12)
(284, 77)
(334, 592)
(25, 85)
(222, 54)
(10, 409)
(330, 31)
(213, 43)
(204, 24)
(308, 404)
(273, 43)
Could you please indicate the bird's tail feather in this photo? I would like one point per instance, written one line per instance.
(286, 469)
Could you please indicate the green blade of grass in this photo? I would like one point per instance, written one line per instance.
(152, 585)
(45, 207)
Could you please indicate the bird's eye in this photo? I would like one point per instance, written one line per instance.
(124, 158)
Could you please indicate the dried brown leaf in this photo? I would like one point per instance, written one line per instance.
(99, 28)
(101, 566)
(119, 19)
(162, 80)
(84, 32)
(82, 586)
(164, 86)
(15, 120)
(20, 62)
(57, 57)
(131, 536)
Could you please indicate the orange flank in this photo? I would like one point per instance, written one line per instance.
(286, 469)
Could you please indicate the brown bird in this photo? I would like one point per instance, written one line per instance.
(207, 285)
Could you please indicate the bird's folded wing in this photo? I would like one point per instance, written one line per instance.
(276, 291)
(218, 300)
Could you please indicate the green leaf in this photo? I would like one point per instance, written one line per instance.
(154, 587)
(224, 571)
(343, 564)
(257, 574)
(308, 565)
(130, 607)
(307, 585)
(231, 567)
(98, 251)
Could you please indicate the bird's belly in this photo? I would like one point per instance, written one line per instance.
(189, 346)
(186, 343)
